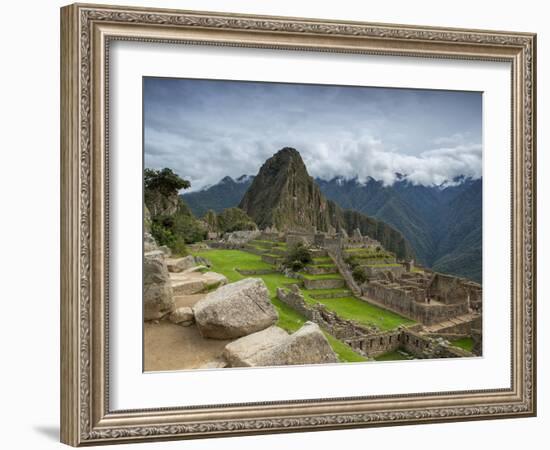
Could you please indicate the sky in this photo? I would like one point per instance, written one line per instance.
(205, 130)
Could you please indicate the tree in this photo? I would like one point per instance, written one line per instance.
(165, 181)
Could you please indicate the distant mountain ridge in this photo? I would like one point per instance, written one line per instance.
(225, 194)
(443, 224)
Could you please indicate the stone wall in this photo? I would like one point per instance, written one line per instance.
(376, 344)
(410, 302)
(329, 283)
(300, 238)
(376, 271)
(447, 289)
(424, 347)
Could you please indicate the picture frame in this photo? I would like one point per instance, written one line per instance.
(87, 32)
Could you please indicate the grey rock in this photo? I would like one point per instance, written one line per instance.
(188, 286)
(308, 345)
(149, 243)
(177, 265)
(235, 310)
(157, 291)
(182, 315)
(241, 353)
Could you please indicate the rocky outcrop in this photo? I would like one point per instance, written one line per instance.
(235, 310)
(160, 203)
(157, 291)
(273, 347)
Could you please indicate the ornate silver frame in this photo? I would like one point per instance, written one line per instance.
(86, 31)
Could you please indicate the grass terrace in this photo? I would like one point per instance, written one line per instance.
(227, 261)
(466, 343)
(352, 308)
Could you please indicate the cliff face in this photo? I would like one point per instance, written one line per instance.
(283, 195)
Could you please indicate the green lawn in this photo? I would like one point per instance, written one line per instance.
(354, 309)
(397, 355)
(226, 261)
(382, 265)
(466, 343)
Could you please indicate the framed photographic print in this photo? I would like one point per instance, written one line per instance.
(278, 224)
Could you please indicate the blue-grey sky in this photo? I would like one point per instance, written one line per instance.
(207, 129)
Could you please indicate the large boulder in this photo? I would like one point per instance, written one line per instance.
(241, 353)
(235, 310)
(157, 290)
(308, 345)
(177, 265)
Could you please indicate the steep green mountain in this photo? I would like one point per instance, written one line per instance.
(283, 195)
(225, 194)
(443, 224)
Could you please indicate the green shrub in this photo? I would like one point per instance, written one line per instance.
(297, 258)
(359, 275)
(165, 236)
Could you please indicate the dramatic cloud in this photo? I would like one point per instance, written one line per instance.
(205, 130)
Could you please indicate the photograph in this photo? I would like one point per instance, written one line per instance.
(294, 224)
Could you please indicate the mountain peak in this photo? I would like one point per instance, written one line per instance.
(283, 195)
(226, 179)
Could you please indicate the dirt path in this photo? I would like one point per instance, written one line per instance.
(172, 347)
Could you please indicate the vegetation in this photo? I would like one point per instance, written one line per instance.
(359, 275)
(234, 219)
(211, 220)
(297, 258)
(164, 181)
(466, 343)
(172, 223)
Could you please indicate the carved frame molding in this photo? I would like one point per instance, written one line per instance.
(86, 32)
